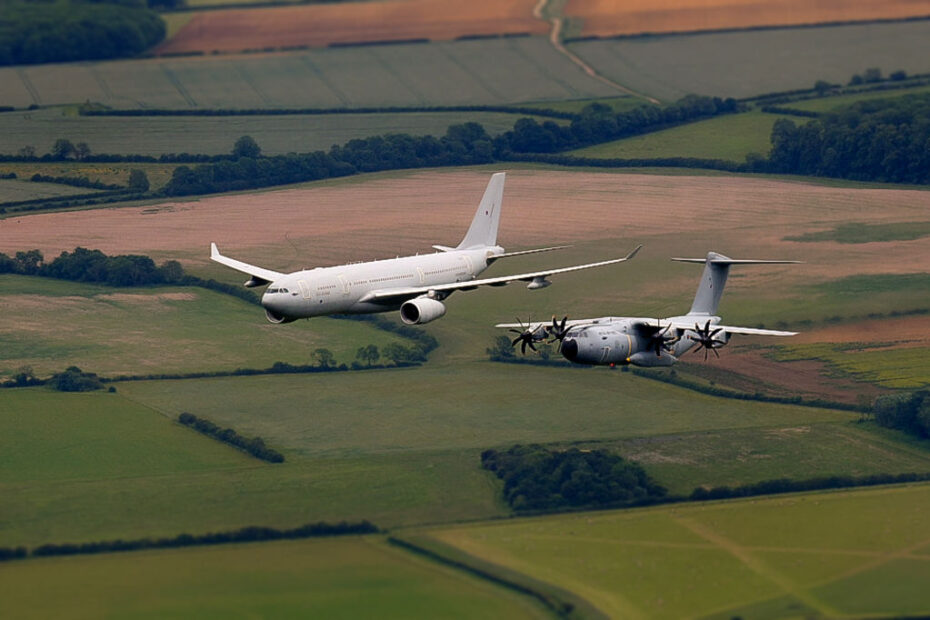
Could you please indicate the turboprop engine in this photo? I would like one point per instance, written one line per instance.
(421, 310)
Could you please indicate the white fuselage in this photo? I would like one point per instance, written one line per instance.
(342, 289)
(616, 340)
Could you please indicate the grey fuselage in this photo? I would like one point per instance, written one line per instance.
(343, 289)
(619, 341)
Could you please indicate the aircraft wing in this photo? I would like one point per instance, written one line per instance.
(536, 324)
(259, 276)
(414, 291)
(688, 324)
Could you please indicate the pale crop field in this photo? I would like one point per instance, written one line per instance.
(833, 554)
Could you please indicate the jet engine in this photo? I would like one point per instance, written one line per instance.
(421, 310)
(276, 318)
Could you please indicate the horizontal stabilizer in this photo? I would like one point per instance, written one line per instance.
(734, 261)
(491, 259)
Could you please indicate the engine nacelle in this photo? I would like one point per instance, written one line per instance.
(276, 318)
(421, 310)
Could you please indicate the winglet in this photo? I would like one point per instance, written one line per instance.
(259, 275)
(214, 252)
(633, 253)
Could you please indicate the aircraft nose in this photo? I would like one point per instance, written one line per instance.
(570, 349)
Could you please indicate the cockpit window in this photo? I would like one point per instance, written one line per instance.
(272, 291)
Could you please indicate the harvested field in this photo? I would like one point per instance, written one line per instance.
(12, 190)
(320, 25)
(309, 225)
(625, 17)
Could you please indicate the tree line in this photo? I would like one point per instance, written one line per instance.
(540, 478)
(904, 411)
(251, 445)
(878, 140)
(245, 534)
(37, 31)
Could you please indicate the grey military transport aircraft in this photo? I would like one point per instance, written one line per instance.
(417, 285)
(613, 340)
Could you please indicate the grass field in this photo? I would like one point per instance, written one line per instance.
(158, 135)
(111, 331)
(825, 104)
(891, 366)
(157, 174)
(857, 232)
(743, 64)
(344, 578)
(497, 71)
(12, 190)
(729, 137)
(762, 558)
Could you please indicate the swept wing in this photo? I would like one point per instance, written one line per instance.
(414, 291)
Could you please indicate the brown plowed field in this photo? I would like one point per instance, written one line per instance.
(628, 17)
(383, 215)
(320, 25)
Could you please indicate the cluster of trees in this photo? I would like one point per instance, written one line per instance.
(73, 379)
(905, 411)
(600, 123)
(36, 31)
(878, 140)
(540, 478)
(83, 265)
(253, 445)
(245, 534)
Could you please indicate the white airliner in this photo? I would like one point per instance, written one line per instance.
(416, 285)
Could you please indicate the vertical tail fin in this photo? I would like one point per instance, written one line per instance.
(714, 278)
(483, 229)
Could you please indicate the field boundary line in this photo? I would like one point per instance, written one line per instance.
(380, 61)
(30, 87)
(755, 564)
(173, 78)
(882, 559)
(315, 70)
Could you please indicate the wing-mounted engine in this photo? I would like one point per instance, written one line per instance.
(421, 310)
(277, 319)
(709, 338)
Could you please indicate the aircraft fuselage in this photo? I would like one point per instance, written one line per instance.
(343, 289)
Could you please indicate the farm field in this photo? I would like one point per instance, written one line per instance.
(111, 331)
(387, 446)
(758, 61)
(324, 578)
(12, 190)
(319, 25)
(826, 104)
(498, 71)
(118, 173)
(761, 558)
(214, 135)
(622, 17)
(730, 137)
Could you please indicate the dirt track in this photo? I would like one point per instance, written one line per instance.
(386, 215)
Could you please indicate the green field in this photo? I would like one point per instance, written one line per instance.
(489, 71)
(214, 135)
(890, 366)
(753, 62)
(813, 555)
(332, 578)
(111, 331)
(13, 190)
(157, 174)
(856, 232)
(730, 137)
(826, 104)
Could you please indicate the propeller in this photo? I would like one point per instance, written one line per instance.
(525, 336)
(705, 339)
(659, 341)
(558, 331)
